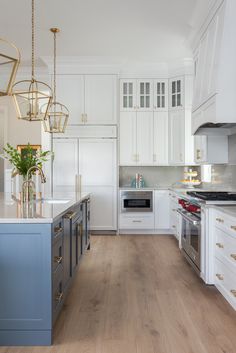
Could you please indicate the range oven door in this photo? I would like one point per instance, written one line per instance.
(136, 201)
(191, 237)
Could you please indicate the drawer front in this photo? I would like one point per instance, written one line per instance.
(58, 294)
(137, 222)
(225, 281)
(226, 223)
(57, 254)
(57, 229)
(225, 246)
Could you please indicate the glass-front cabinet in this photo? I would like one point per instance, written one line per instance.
(176, 93)
(128, 95)
(145, 95)
(160, 97)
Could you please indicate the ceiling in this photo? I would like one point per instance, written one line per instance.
(148, 30)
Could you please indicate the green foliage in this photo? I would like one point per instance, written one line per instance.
(24, 161)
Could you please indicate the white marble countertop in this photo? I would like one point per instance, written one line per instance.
(40, 211)
(230, 210)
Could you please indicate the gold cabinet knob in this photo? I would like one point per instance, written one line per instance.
(233, 228)
(220, 220)
(233, 291)
(220, 245)
(219, 276)
(233, 256)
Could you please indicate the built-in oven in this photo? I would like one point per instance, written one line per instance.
(136, 201)
(191, 235)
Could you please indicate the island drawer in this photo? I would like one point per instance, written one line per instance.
(58, 294)
(57, 229)
(57, 253)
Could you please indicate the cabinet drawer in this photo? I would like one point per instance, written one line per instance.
(226, 223)
(57, 229)
(225, 246)
(57, 253)
(58, 294)
(225, 281)
(137, 221)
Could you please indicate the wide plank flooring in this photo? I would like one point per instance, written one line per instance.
(137, 294)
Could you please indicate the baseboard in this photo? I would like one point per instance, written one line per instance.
(103, 232)
(146, 231)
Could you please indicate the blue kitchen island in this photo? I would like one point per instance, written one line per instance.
(41, 246)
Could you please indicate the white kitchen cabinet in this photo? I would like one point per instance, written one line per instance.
(145, 95)
(160, 138)
(100, 99)
(176, 93)
(210, 149)
(65, 164)
(128, 95)
(91, 99)
(160, 95)
(162, 209)
(128, 139)
(97, 167)
(70, 91)
(177, 137)
(144, 138)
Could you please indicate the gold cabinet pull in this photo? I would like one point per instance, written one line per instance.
(58, 259)
(221, 246)
(233, 291)
(220, 220)
(233, 256)
(198, 154)
(70, 215)
(220, 277)
(57, 231)
(233, 227)
(137, 221)
(59, 297)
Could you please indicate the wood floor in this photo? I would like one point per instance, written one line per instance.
(136, 294)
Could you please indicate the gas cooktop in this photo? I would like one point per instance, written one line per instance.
(213, 195)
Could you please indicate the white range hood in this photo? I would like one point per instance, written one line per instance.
(214, 98)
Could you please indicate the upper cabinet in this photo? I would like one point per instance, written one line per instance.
(143, 95)
(176, 87)
(91, 99)
(215, 71)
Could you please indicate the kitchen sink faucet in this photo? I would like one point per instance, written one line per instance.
(28, 187)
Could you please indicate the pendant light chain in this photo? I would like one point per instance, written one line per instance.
(55, 53)
(33, 39)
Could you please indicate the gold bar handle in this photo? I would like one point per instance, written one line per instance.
(198, 154)
(233, 256)
(58, 259)
(220, 277)
(233, 291)
(233, 227)
(59, 297)
(70, 215)
(221, 246)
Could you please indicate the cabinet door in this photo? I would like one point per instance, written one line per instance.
(160, 138)
(128, 140)
(162, 209)
(176, 90)
(200, 149)
(177, 137)
(100, 99)
(97, 165)
(144, 138)
(145, 95)
(70, 92)
(128, 95)
(160, 99)
(65, 164)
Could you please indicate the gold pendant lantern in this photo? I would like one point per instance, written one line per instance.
(31, 95)
(57, 115)
(9, 62)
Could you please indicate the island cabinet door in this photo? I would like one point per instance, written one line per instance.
(26, 283)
